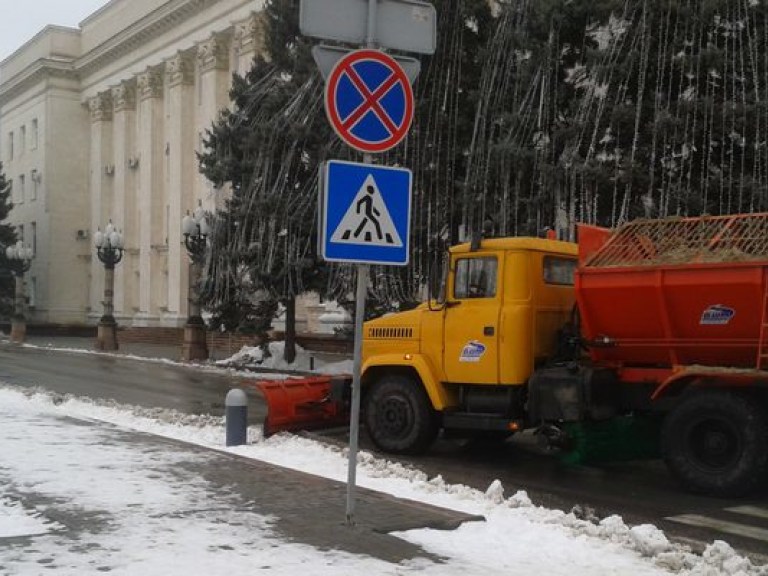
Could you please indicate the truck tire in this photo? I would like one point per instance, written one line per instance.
(716, 442)
(399, 417)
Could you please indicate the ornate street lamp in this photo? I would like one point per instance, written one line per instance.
(195, 230)
(109, 247)
(19, 260)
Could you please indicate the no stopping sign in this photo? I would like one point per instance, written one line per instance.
(369, 100)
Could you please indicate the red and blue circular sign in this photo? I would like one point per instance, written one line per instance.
(369, 100)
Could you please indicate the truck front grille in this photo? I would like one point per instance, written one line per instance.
(399, 333)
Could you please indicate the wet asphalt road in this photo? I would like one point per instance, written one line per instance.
(641, 492)
(187, 389)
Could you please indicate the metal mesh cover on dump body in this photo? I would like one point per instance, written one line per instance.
(741, 238)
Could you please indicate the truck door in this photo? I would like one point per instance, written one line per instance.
(471, 351)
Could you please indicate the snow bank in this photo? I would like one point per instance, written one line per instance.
(516, 536)
(16, 521)
(253, 358)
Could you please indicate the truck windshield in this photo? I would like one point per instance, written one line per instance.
(475, 278)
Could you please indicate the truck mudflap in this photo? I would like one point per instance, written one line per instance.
(305, 404)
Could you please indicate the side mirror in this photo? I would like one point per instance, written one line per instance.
(436, 282)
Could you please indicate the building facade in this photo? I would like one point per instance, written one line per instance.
(103, 123)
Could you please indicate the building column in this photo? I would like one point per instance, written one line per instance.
(182, 167)
(124, 184)
(249, 40)
(213, 60)
(150, 206)
(99, 185)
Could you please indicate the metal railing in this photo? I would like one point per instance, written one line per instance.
(739, 238)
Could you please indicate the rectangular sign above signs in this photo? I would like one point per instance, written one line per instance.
(407, 25)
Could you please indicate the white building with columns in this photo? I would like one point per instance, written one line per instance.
(102, 122)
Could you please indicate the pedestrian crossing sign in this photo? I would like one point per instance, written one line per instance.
(365, 213)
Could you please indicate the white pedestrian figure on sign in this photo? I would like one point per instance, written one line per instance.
(371, 213)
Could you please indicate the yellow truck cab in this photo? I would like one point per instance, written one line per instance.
(461, 361)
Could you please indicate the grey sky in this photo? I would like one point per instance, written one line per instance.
(21, 20)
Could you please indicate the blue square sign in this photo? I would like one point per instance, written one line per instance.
(365, 213)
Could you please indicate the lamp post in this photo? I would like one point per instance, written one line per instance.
(195, 230)
(19, 259)
(109, 247)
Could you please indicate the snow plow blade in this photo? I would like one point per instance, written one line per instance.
(305, 404)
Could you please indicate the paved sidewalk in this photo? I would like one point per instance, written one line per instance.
(308, 509)
(312, 510)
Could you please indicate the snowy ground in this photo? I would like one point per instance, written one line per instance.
(155, 519)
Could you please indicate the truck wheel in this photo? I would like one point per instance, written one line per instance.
(716, 442)
(399, 417)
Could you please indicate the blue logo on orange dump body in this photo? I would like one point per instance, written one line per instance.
(472, 352)
(717, 315)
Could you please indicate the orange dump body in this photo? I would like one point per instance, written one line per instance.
(659, 293)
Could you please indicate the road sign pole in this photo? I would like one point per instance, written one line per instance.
(380, 120)
(362, 290)
(370, 38)
(354, 421)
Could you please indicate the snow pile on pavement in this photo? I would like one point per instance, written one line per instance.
(248, 360)
(517, 536)
(16, 521)
(254, 358)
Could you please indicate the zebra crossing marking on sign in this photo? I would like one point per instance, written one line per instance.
(365, 213)
(367, 220)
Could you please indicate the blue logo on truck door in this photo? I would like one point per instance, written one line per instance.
(717, 315)
(472, 352)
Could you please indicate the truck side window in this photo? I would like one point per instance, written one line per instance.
(475, 278)
(559, 270)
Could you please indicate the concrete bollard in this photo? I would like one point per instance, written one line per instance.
(236, 405)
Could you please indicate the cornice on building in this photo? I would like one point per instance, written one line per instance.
(39, 71)
(152, 26)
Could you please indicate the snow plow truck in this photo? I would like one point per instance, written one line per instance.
(652, 335)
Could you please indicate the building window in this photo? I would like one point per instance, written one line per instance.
(10, 145)
(33, 232)
(32, 297)
(22, 179)
(22, 140)
(33, 136)
(34, 178)
(20, 232)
